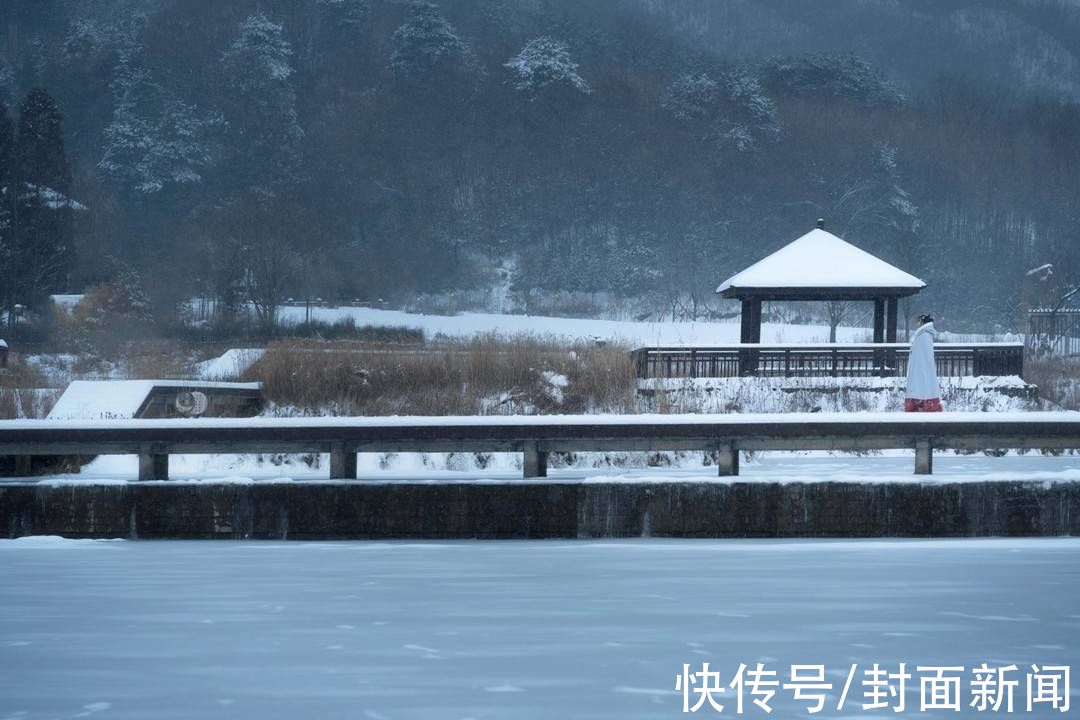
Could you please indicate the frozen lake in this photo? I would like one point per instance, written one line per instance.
(116, 629)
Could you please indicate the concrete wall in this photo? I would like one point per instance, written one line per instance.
(313, 510)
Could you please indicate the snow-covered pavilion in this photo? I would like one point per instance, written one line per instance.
(819, 266)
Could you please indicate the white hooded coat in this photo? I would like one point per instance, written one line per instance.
(922, 382)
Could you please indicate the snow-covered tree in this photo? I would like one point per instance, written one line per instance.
(734, 111)
(44, 234)
(426, 42)
(692, 96)
(265, 137)
(545, 62)
(7, 214)
(750, 116)
(261, 111)
(155, 139)
(847, 76)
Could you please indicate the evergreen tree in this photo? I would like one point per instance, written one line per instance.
(265, 139)
(43, 206)
(261, 108)
(735, 112)
(155, 139)
(545, 62)
(426, 43)
(7, 208)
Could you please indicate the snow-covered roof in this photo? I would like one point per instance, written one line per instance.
(119, 399)
(820, 259)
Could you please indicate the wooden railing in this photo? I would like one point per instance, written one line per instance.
(536, 436)
(831, 360)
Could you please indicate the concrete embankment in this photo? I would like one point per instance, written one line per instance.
(328, 510)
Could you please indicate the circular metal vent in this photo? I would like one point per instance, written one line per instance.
(192, 404)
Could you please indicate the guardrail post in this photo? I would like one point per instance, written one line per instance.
(342, 462)
(924, 457)
(534, 463)
(727, 459)
(153, 464)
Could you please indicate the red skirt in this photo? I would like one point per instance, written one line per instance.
(931, 405)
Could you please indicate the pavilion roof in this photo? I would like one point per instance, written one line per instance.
(820, 264)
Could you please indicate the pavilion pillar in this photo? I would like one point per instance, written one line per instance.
(756, 325)
(879, 321)
(890, 333)
(879, 335)
(890, 330)
(744, 321)
(749, 332)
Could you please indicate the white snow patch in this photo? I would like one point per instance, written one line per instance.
(231, 364)
(67, 303)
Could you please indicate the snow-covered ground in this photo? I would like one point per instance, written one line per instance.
(230, 364)
(116, 630)
(830, 395)
(629, 332)
(638, 334)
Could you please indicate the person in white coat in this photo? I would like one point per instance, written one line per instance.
(923, 393)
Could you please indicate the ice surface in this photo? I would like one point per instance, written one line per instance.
(523, 630)
(821, 259)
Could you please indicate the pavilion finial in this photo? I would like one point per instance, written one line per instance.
(821, 223)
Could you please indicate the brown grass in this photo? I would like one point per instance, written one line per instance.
(157, 359)
(483, 376)
(21, 393)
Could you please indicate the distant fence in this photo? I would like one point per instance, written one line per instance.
(832, 360)
(1054, 332)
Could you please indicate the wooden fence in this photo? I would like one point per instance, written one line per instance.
(1054, 332)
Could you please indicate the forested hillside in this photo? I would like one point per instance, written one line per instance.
(253, 150)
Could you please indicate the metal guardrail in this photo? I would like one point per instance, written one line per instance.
(536, 436)
(827, 360)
